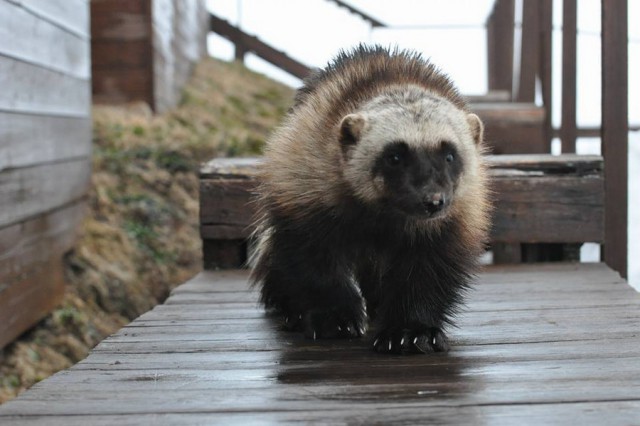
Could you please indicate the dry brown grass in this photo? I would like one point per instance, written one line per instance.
(140, 238)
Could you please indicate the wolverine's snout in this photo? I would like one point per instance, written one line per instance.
(434, 202)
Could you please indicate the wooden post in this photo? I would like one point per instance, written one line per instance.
(529, 52)
(615, 131)
(500, 46)
(546, 32)
(568, 131)
(240, 52)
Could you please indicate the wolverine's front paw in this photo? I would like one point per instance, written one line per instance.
(411, 340)
(333, 323)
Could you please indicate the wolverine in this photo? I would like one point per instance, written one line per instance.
(373, 204)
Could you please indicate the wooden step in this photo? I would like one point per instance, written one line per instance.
(513, 128)
(539, 199)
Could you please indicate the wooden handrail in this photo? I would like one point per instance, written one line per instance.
(373, 21)
(247, 43)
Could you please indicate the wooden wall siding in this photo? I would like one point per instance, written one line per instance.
(144, 50)
(23, 89)
(23, 33)
(71, 15)
(29, 139)
(45, 147)
(31, 269)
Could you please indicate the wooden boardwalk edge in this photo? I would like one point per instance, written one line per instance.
(537, 344)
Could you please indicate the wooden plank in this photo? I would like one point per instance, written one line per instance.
(31, 272)
(566, 164)
(131, 360)
(624, 412)
(27, 244)
(22, 34)
(548, 209)
(27, 192)
(23, 90)
(31, 297)
(224, 202)
(509, 112)
(615, 136)
(345, 388)
(34, 139)
(580, 165)
(490, 96)
(513, 128)
(568, 132)
(72, 15)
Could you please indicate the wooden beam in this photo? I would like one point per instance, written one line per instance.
(615, 133)
(568, 131)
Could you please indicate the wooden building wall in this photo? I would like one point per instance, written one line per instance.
(144, 50)
(45, 148)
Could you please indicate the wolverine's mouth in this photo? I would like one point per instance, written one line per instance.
(434, 214)
(422, 212)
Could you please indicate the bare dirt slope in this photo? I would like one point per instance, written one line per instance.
(140, 238)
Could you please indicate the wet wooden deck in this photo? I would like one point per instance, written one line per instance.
(538, 344)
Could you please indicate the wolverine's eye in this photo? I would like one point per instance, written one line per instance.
(449, 158)
(395, 154)
(393, 159)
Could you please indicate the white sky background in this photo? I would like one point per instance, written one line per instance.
(452, 34)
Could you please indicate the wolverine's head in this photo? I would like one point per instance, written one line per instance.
(409, 151)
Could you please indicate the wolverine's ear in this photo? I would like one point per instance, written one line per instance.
(477, 129)
(351, 130)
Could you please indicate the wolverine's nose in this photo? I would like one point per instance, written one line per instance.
(434, 202)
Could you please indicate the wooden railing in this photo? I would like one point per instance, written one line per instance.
(567, 199)
(536, 60)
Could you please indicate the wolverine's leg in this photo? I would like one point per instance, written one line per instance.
(418, 297)
(312, 286)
